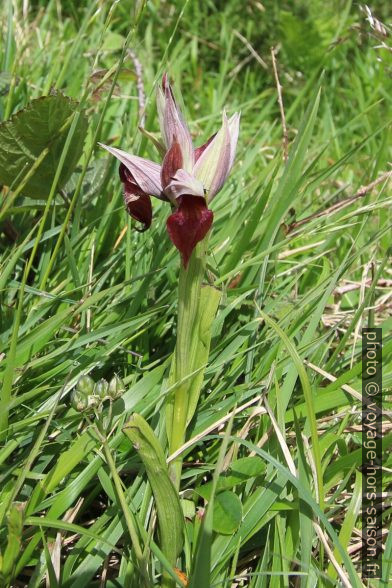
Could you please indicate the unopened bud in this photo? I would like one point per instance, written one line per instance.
(101, 389)
(94, 402)
(116, 387)
(79, 401)
(85, 384)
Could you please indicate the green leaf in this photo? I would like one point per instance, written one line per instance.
(51, 572)
(169, 511)
(188, 508)
(65, 464)
(68, 527)
(201, 563)
(305, 495)
(5, 82)
(197, 306)
(307, 390)
(43, 124)
(113, 41)
(304, 510)
(239, 472)
(12, 551)
(349, 521)
(209, 302)
(227, 513)
(257, 512)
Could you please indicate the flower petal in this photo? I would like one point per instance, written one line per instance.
(202, 148)
(138, 204)
(147, 174)
(212, 167)
(184, 184)
(171, 163)
(188, 225)
(173, 125)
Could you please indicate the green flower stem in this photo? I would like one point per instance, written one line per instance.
(189, 291)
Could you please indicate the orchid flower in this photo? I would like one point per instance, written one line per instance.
(189, 178)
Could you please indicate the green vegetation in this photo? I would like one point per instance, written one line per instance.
(271, 479)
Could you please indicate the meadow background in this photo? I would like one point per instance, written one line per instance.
(299, 251)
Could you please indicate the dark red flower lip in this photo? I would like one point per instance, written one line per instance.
(188, 225)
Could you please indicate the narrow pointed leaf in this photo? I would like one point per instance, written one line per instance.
(167, 503)
(209, 302)
(198, 354)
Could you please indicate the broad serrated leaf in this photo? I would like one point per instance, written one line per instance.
(41, 125)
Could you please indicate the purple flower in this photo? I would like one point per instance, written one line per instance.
(188, 178)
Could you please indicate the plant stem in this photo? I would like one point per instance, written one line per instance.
(189, 288)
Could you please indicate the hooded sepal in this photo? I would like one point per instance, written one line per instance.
(215, 158)
(200, 150)
(212, 167)
(173, 125)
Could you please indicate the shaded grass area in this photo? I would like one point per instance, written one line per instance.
(302, 266)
